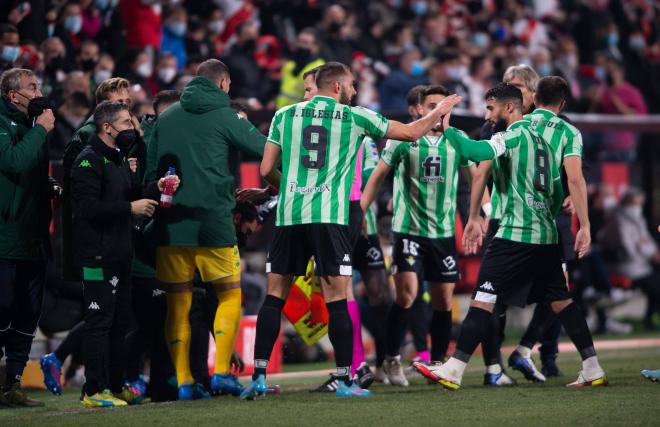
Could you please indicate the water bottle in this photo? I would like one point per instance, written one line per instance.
(168, 189)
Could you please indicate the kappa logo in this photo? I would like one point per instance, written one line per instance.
(94, 306)
(487, 286)
(449, 262)
(13, 123)
(157, 293)
(114, 281)
(85, 164)
(347, 258)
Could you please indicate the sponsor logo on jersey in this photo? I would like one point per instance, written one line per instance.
(487, 286)
(294, 188)
(535, 204)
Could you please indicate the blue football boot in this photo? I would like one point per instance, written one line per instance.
(51, 366)
(256, 388)
(226, 384)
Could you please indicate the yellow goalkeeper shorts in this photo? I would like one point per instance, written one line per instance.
(177, 264)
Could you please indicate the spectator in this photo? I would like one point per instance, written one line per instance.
(333, 31)
(9, 46)
(197, 43)
(446, 70)
(88, 57)
(92, 18)
(165, 75)
(25, 122)
(395, 86)
(304, 58)
(56, 66)
(142, 22)
(249, 81)
(372, 41)
(478, 82)
(617, 96)
(635, 252)
(140, 67)
(174, 31)
(104, 70)
(68, 28)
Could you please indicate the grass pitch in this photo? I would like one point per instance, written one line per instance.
(629, 400)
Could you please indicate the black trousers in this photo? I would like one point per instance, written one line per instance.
(107, 318)
(147, 339)
(21, 298)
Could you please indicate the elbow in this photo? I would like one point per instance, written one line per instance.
(265, 170)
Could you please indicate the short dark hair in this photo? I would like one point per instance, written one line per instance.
(552, 90)
(7, 28)
(414, 96)
(329, 73)
(311, 31)
(503, 92)
(166, 97)
(313, 72)
(433, 90)
(239, 106)
(107, 112)
(213, 69)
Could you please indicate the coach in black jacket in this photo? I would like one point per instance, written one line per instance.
(106, 193)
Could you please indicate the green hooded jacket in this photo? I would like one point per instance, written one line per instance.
(25, 210)
(195, 136)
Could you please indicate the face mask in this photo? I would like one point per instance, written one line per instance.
(37, 105)
(454, 73)
(600, 73)
(544, 69)
(481, 40)
(178, 28)
(87, 65)
(396, 3)
(571, 61)
(167, 74)
(73, 23)
(144, 69)
(301, 55)
(125, 139)
(609, 202)
(420, 8)
(417, 69)
(634, 211)
(637, 43)
(334, 28)
(217, 26)
(612, 39)
(102, 4)
(56, 63)
(10, 53)
(101, 76)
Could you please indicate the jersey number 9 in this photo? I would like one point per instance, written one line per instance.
(315, 141)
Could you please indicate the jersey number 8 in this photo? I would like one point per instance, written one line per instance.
(315, 141)
(541, 162)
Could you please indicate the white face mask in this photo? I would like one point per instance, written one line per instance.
(633, 211)
(167, 74)
(217, 26)
(102, 75)
(144, 69)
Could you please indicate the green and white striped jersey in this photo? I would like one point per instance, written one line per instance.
(564, 138)
(425, 185)
(527, 179)
(370, 159)
(319, 139)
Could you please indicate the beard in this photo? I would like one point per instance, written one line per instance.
(344, 98)
(499, 126)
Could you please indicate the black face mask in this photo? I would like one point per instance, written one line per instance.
(37, 105)
(125, 139)
(87, 65)
(334, 28)
(56, 63)
(301, 56)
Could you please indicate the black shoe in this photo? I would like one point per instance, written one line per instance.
(364, 376)
(330, 386)
(549, 367)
